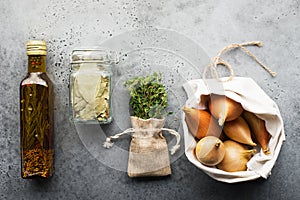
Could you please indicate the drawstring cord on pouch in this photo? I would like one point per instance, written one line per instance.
(108, 142)
(219, 61)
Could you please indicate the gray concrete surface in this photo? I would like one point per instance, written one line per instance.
(211, 24)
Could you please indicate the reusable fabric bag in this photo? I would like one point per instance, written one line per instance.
(252, 98)
(148, 153)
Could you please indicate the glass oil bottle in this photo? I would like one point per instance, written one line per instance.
(36, 116)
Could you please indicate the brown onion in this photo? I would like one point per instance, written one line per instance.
(239, 131)
(200, 123)
(210, 151)
(236, 157)
(224, 108)
(259, 130)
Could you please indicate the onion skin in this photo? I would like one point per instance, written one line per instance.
(258, 128)
(236, 157)
(239, 131)
(224, 108)
(210, 151)
(200, 123)
(223, 137)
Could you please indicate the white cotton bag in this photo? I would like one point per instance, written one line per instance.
(252, 98)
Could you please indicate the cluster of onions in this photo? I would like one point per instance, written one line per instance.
(226, 133)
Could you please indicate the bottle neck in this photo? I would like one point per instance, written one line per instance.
(36, 63)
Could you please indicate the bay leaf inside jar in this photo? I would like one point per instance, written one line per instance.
(102, 99)
(91, 92)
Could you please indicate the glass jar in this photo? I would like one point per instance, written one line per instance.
(90, 85)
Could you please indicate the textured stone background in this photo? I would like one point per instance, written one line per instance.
(212, 24)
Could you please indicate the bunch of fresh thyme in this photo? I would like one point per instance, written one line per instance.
(148, 96)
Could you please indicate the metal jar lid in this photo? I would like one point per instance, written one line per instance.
(36, 47)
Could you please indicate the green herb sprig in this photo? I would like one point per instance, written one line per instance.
(35, 117)
(148, 96)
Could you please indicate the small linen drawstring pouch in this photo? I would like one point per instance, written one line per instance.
(148, 153)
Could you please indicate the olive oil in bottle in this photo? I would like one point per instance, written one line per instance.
(36, 116)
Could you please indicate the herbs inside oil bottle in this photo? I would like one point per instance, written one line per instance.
(36, 116)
